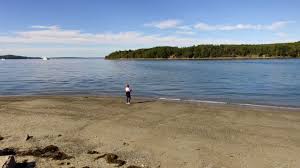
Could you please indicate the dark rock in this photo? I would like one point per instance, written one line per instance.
(50, 151)
(101, 156)
(92, 152)
(60, 156)
(26, 164)
(61, 163)
(9, 162)
(1, 138)
(86, 167)
(50, 148)
(112, 159)
(59, 135)
(132, 166)
(28, 137)
(119, 162)
(8, 151)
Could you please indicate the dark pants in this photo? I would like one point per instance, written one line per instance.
(128, 97)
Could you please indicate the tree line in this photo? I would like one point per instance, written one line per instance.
(212, 51)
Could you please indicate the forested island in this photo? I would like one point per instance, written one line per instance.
(17, 57)
(242, 51)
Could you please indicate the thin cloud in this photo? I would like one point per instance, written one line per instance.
(57, 35)
(165, 24)
(281, 34)
(44, 27)
(273, 26)
(185, 27)
(54, 51)
(185, 32)
(170, 24)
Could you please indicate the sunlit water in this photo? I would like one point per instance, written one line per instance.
(269, 82)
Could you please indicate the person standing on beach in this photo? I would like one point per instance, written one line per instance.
(128, 94)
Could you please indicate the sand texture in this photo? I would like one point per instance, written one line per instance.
(90, 131)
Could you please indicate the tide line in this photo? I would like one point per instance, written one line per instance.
(220, 102)
(170, 99)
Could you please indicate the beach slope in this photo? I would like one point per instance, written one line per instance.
(150, 133)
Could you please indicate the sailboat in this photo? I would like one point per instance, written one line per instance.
(45, 58)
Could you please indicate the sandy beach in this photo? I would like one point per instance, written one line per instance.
(150, 133)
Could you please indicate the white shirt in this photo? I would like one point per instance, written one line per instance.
(127, 89)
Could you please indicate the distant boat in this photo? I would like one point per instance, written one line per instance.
(45, 58)
(2, 59)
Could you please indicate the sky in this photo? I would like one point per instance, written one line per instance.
(95, 28)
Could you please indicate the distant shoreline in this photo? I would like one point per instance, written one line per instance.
(12, 57)
(244, 51)
(217, 58)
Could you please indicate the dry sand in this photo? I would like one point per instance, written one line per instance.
(151, 133)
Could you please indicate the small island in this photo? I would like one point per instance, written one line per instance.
(242, 51)
(17, 57)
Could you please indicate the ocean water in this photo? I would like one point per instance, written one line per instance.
(262, 82)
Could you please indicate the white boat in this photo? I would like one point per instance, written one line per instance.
(45, 58)
(2, 59)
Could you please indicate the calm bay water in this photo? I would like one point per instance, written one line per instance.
(267, 82)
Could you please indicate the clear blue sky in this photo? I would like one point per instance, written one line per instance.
(95, 28)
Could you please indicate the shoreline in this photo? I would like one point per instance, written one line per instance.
(231, 103)
(206, 59)
(170, 99)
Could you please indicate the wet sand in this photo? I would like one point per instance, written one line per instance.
(150, 133)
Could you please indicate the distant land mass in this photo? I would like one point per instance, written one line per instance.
(242, 51)
(17, 57)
